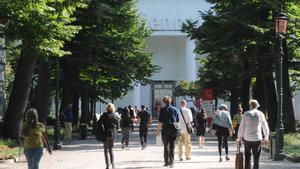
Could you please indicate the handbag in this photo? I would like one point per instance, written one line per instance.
(189, 127)
(239, 159)
(46, 142)
(159, 140)
(99, 132)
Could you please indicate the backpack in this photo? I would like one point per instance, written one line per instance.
(99, 132)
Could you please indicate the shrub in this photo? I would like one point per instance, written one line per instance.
(292, 145)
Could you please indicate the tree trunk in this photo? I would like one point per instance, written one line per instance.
(272, 102)
(42, 97)
(234, 101)
(76, 107)
(67, 93)
(288, 109)
(69, 83)
(20, 91)
(245, 93)
(84, 106)
(259, 93)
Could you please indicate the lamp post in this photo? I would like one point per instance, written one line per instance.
(280, 29)
(57, 144)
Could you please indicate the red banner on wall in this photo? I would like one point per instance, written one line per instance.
(207, 94)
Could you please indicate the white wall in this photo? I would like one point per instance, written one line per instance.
(296, 102)
(169, 54)
(162, 13)
(168, 44)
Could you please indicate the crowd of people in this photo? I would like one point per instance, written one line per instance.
(173, 124)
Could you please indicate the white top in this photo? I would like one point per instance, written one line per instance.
(252, 123)
(188, 118)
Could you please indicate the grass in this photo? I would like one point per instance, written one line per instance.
(8, 149)
(292, 145)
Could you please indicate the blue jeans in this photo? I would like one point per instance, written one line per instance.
(33, 157)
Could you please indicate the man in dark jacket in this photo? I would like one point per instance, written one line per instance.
(167, 117)
(144, 119)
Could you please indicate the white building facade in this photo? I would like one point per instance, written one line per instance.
(172, 50)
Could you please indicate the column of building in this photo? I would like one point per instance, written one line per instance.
(190, 62)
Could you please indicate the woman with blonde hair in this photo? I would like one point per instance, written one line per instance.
(109, 120)
(33, 131)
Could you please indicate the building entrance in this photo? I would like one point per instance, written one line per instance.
(159, 90)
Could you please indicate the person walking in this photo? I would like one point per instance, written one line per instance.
(132, 117)
(251, 127)
(185, 117)
(110, 121)
(223, 126)
(145, 120)
(125, 125)
(201, 125)
(67, 115)
(34, 132)
(236, 121)
(167, 117)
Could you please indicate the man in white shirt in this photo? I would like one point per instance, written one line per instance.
(252, 123)
(184, 136)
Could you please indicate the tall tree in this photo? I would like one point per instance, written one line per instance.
(245, 28)
(43, 27)
(112, 42)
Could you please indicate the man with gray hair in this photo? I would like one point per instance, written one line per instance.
(185, 117)
(252, 123)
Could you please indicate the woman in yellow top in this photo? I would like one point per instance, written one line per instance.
(237, 118)
(33, 132)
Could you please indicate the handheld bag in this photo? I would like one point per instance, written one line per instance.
(239, 159)
(99, 132)
(158, 140)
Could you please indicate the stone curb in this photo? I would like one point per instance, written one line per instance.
(292, 159)
(287, 157)
(8, 161)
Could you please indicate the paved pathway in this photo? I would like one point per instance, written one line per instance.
(88, 154)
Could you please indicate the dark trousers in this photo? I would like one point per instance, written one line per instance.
(169, 145)
(143, 135)
(236, 130)
(108, 149)
(255, 147)
(222, 140)
(132, 126)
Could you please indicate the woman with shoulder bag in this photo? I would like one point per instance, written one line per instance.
(34, 133)
(167, 117)
(223, 126)
(110, 121)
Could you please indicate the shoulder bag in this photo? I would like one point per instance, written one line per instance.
(189, 126)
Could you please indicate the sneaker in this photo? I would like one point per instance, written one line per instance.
(200, 146)
(180, 159)
(188, 158)
(123, 146)
(166, 164)
(171, 166)
(227, 158)
(220, 159)
(203, 146)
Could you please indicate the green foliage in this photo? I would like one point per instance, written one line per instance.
(238, 38)
(8, 143)
(185, 88)
(112, 42)
(44, 24)
(292, 145)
